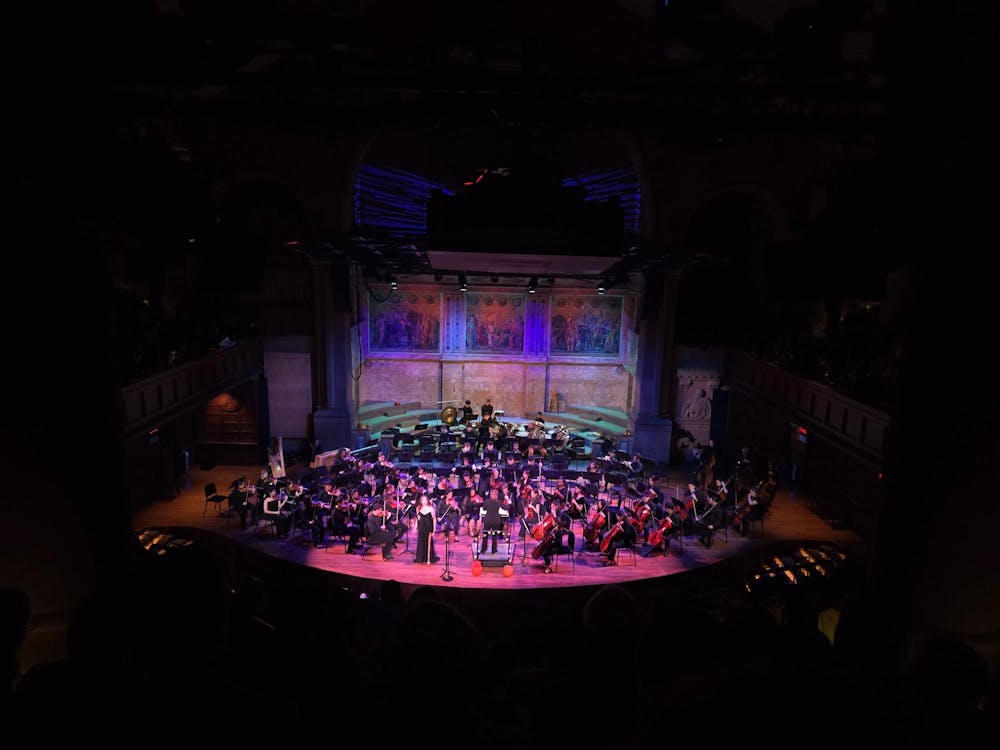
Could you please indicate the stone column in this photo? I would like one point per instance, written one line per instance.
(331, 418)
(653, 426)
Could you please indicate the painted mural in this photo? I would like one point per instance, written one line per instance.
(404, 322)
(588, 326)
(494, 323)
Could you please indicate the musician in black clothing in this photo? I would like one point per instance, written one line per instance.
(340, 523)
(510, 469)
(379, 530)
(486, 410)
(711, 518)
(467, 413)
(483, 437)
(239, 502)
(493, 522)
(471, 509)
(622, 532)
(449, 515)
(563, 541)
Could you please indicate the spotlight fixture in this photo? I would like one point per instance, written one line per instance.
(438, 276)
(532, 285)
(552, 280)
(600, 287)
(393, 281)
(494, 278)
(463, 284)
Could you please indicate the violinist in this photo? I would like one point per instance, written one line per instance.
(562, 541)
(340, 523)
(449, 516)
(310, 520)
(576, 503)
(531, 509)
(710, 520)
(276, 510)
(471, 509)
(379, 530)
(239, 501)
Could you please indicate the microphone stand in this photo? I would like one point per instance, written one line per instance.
(446, 575)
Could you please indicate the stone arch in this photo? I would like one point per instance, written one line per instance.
(258, 217)
(756, 207)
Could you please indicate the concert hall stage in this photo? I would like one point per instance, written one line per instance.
(788, 525)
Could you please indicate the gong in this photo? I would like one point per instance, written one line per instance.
(449, 415)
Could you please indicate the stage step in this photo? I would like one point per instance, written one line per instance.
(373, 409)
(407, 419)
(593, 412)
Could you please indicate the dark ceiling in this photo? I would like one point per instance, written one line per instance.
(696, 72)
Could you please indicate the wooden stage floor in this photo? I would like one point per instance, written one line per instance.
(789, 519)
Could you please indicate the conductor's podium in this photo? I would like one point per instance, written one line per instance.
(488, 559)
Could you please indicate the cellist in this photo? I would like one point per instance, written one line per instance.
(560, 540)
(619, 533)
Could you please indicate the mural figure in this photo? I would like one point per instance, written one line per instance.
(587, 326)
(698, 405)
(494, 323)
(404, 322)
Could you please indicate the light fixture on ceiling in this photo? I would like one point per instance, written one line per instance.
(463, 284)
(393, 281)
(438, 276)
(495, 279)
(552, 280)
(601, 287)
(532, 284)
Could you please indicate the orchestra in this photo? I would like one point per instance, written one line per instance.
(496, 486)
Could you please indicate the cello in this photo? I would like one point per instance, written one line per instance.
(597, 521)
(543, 527)
(615, 532)
(659, 535)
(547, 541)
(642, 514)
